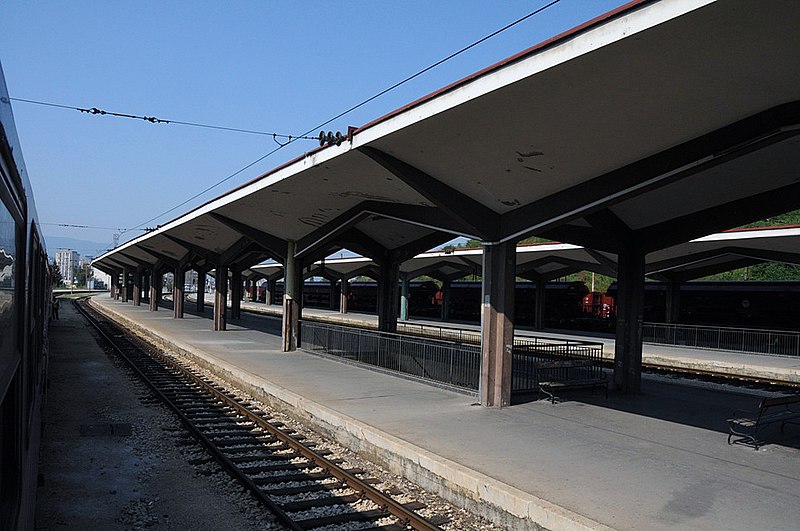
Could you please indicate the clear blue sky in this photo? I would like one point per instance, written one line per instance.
(264, 65)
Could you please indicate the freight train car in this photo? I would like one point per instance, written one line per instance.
(24, 314)
(362, 296)
(564, 307)
(742, 304)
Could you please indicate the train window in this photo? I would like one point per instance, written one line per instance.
(9, 331)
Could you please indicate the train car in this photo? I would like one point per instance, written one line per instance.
(362, 296)
(24, 316)
(754, 304)
(563, 308)
(742, 304)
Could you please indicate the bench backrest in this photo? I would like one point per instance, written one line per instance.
(779, 401)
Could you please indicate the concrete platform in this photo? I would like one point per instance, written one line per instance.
(658, 460)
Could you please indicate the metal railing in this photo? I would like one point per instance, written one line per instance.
(447, 362)
(440, 332)
(538, 358)
(455, 361)
(752, 340)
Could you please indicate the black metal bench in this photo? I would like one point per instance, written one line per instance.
(745, 425)
(562, 375)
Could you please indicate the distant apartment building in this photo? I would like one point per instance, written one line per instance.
(67, 261)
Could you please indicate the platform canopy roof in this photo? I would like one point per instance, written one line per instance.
(547, 261)
(698, 258)
(654, 124)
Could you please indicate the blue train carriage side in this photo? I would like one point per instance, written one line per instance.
(24, 314)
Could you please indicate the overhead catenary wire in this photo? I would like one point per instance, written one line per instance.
(292, 139)
(154, 120)
(77, 226)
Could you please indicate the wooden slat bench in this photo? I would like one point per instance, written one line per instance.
(745, 425)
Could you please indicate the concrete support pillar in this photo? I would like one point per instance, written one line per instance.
(201, 290)
(405, 296)
(333, 300)
(137, 287)
(497, 324)
(147, 277)
(221, 298)
(254, 290)
(177, 292)
(343, 294)
(114, 288)
(125, 274)
(539, 303)
(270, 290)
(155, 287)
(158, 283)
(292, 299)
(673, 301)
(236, 293)
(446, 300)
(630, 307)
(388, 295)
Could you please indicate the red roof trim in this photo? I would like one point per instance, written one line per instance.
(768, 227)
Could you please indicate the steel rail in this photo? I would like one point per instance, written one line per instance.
(718, 375)
(228, 465)
(386, 503)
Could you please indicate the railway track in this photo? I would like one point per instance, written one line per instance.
(304, 488)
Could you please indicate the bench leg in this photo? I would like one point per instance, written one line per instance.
(550, 396)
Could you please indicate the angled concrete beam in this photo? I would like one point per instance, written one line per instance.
(680, 275)
(274, 246)
(584, 236)
(116, 263)
(357, 241)
(561, 272)
(428, 217)
(721, 217)
(478, 218)
(137, 262)
(320, 254)
(200, 252)
(425, 243)
(602, 259)
(434, 270)
(168, 260)
(768, 255)
(372, 271)
(235, 251)
(663, 266)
